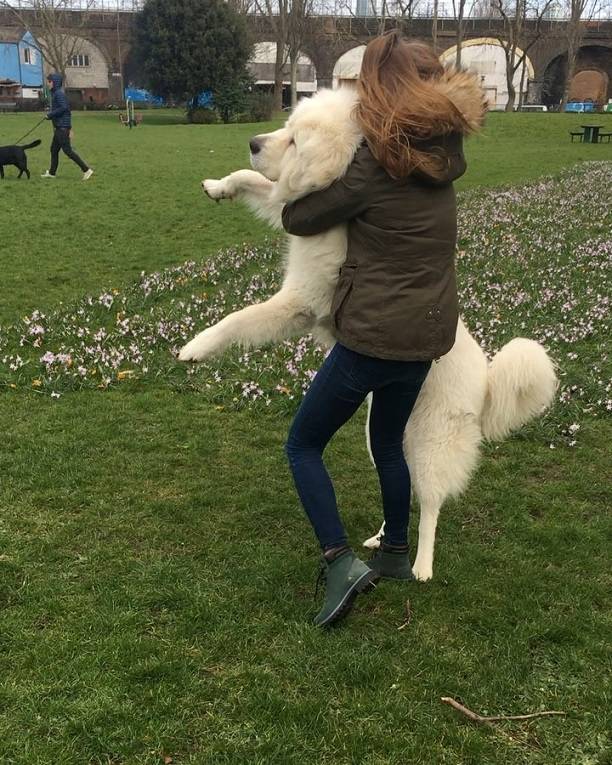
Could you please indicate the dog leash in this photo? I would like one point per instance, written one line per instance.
(30, 131)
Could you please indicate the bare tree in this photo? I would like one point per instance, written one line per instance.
(54, 25)
(459, 14)
(243, 7)
(434, 25)
(404, 11)
(514, 14)
(299, 13)
(277, 13)
(575, 33)
(391, 14)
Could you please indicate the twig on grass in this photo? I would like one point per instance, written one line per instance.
(497, 718)
(407, 616)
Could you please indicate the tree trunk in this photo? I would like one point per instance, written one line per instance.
(572, 55)
(510, 83)
(278, 76)
(522, 85)
(434, 26)
(459, 45)
(294, 76)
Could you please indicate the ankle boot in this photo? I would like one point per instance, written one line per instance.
(346, 576)
(391, 561)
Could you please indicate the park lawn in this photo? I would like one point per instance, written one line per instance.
(156, 573)
(144, 210)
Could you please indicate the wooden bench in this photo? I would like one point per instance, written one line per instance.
(607, 136)
(8, 106)
(580, 135)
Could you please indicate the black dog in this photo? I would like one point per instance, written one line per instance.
(16, 155)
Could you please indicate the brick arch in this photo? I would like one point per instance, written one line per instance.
(325, 54)
(264, 70)
(335, 72)
(597, 57)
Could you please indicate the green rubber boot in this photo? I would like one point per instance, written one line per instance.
(346, 576)
(391, 562)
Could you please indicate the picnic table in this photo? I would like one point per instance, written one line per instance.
(591, 133)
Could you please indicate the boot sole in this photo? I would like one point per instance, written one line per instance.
(409, 578)
(366, 583)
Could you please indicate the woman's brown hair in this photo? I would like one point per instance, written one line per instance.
(399, 105)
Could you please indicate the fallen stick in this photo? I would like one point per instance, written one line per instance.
(497, 718)
(407, 618)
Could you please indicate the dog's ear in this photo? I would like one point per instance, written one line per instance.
(320, 158)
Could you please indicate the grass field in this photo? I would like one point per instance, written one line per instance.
(156, 573)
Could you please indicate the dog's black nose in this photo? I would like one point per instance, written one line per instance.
(254, 145)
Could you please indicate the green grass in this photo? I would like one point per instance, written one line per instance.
(145, 211)
(156, 573)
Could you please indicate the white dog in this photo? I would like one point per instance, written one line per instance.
(464, 398)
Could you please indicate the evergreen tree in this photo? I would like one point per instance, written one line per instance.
(185, 47)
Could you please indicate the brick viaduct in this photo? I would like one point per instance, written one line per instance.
(327, 38)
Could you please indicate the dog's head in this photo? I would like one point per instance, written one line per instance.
(313, 149)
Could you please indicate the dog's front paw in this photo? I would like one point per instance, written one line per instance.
(217, 189)
(422, 571)
(201, 347)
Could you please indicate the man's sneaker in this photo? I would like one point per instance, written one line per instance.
(346, 576)
(47, 175)
(87, 174)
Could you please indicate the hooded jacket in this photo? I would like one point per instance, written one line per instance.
(396, 296)
(60, 107)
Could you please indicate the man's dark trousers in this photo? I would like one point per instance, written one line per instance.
(61, 142)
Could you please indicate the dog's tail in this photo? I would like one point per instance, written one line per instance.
(521, 384)
(37, 142)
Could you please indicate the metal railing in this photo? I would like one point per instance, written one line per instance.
(97, 6)
(421, 9)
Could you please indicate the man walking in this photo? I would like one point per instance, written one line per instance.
(62, 123)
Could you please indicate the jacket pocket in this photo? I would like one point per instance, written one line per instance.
(409, 328)
(342, 293)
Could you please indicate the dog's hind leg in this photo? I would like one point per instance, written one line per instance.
(373, 543)
(280, 317)
(442, 453)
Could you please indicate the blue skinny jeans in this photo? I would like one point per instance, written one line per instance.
(337, 391)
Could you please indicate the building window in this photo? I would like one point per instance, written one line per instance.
(27, 56)
(79, 60)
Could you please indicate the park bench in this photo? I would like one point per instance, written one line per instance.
(8, 106)
(607, 136)
(580, 135)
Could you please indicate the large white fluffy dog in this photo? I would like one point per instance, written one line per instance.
(464, 398)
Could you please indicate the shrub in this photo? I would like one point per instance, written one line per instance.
(202, 116)
(29, 105)
(261, 106)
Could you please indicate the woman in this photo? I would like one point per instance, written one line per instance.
(395, 306)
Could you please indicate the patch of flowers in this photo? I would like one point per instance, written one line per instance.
(533, 261)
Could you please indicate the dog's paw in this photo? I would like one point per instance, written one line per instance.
(422, 572)
(373, 543)
(217, 189)
(201, 347)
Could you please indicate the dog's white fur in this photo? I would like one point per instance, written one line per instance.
(464, 399)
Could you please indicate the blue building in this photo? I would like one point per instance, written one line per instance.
(21, 66)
